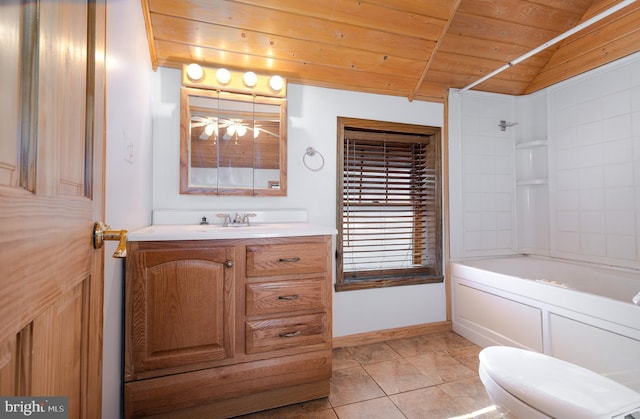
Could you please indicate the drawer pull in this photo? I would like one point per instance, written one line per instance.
(289, 260)
(288, 297)
(289, 335)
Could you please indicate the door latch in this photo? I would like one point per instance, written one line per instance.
(102, 232)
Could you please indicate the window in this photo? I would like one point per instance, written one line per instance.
(389, 205)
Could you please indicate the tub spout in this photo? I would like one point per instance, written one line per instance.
(636, 299)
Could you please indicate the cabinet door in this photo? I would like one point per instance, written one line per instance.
(181, 308)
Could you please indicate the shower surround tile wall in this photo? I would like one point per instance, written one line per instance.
(587, 206)
(594, 137)
(482, 186)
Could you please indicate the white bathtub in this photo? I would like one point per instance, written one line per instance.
(581, 313)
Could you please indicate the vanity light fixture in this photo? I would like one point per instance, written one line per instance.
(234, 81)
(195, 71)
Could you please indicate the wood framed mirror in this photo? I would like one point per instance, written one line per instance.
(232, 143)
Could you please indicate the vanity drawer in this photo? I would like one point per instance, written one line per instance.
(286, 259)
(287, 332)
(286, 296)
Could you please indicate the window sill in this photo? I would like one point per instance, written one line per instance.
(354, 285)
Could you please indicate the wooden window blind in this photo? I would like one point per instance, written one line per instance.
(390, 217)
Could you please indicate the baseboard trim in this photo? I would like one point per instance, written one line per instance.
(388, 334)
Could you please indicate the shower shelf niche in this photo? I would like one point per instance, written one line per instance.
(531, 163)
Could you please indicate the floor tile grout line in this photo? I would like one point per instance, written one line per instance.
(444, 349)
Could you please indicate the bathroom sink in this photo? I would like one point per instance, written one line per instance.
(217, 231)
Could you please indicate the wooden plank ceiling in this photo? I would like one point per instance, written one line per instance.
(412, 48)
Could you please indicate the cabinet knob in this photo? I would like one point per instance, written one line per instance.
(229, 264)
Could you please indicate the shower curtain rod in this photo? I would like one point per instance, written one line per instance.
(553, 41)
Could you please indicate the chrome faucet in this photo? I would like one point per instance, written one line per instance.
(238, 219)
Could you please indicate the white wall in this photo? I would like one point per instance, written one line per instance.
(312, 122)
(128, 170)
(576, 168)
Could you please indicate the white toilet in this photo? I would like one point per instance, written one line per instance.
(530, 385)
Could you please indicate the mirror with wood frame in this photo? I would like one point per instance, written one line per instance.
(232, 143)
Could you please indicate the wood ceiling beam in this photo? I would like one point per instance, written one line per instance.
(427, 66)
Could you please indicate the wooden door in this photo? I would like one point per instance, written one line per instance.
(51, 192)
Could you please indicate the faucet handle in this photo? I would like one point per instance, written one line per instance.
(245, 218)
(227, 219)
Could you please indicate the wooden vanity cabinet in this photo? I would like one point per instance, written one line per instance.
(219, 328)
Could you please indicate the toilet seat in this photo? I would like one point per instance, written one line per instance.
(507, 405)
(557, 388)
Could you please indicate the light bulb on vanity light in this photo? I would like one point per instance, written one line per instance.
(276, 83)
(250, 79)
(194, 71)
(223, 75)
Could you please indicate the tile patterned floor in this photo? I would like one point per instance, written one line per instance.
(424, 377)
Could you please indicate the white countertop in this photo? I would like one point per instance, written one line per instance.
(216, 231)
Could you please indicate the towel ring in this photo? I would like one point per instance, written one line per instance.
(312, 152)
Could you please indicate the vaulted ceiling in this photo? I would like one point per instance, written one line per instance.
(412, 48)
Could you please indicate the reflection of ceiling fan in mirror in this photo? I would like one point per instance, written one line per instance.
(209, 125)
(232, 128)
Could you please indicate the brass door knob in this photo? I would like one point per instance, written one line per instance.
(102, 232)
